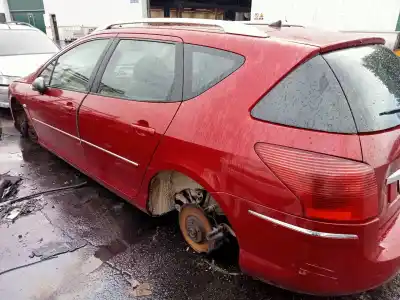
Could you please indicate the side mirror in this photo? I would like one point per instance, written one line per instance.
(39, 85)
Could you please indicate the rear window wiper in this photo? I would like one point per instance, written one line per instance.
(390, 112)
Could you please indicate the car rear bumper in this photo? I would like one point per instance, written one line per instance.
(4, 103)
(348, 260)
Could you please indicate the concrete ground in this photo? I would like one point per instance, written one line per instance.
(104, 246)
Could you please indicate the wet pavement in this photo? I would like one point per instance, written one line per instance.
(87, 243)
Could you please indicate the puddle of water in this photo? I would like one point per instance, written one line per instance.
(106, 252)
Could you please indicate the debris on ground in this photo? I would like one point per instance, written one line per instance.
(8, 186)
(221, 270)
(142, 290)
(134, 283)
(55, 248)
(75, 186)
(14, 214)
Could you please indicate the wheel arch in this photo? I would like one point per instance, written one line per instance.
(14, 105)
(191, 177)
(185, 176)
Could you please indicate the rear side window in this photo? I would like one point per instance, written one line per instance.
(309, 97)
(142, 71)
(205, 67)
(370, 77)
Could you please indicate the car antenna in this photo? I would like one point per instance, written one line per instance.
(276, 24)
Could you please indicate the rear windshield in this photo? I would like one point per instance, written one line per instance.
(17, 42)
(370, 78)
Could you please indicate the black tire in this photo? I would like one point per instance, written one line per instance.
(23, 126)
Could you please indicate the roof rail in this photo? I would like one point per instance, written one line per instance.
(227, 26)
(19, 23)
(278, 24)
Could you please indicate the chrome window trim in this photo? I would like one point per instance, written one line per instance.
(87, 143)
(305, 231)
(393, 177)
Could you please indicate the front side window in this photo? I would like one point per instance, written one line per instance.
(47, 72)
(141, 71)
(74, 68)
(205, 67)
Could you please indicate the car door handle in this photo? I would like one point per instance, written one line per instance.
(69, 106)
(142, 130)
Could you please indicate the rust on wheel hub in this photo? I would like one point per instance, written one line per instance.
(195, 225)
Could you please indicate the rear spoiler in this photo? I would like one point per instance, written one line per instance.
(392, 38)
(352, 43)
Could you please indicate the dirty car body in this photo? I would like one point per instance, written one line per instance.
(23, 48)
(273, 126)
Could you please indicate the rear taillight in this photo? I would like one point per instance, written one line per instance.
(330, 188)
(397, 52)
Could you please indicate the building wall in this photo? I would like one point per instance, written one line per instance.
(76, 18)
(93, 13)
(4, 9)
(331, 14)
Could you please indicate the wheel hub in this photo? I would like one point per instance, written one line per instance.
(195, 226)
(195, 229)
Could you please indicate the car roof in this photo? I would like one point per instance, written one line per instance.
(324, 40)
(16, 26)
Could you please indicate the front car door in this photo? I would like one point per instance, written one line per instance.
(54, 112)
(133, 101)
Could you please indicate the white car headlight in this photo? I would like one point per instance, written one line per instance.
(6, 80)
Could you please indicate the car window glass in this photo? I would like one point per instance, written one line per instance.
(74, 68)
(46, 73)
(309, 97)
(140, 70)
(25, 41)
(369, 76)
(205, 67)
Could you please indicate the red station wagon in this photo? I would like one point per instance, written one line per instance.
(285, 138)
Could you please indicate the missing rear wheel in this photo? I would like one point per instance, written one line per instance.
(195, 227)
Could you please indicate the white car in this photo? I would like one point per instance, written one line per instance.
(23, 49)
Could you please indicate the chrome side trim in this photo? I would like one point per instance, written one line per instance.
(326, 235)
(59, 130)
(88, 143)
(111, 153)
(393, 177)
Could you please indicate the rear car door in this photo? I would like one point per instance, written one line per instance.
(133, 100)
(68, 78)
